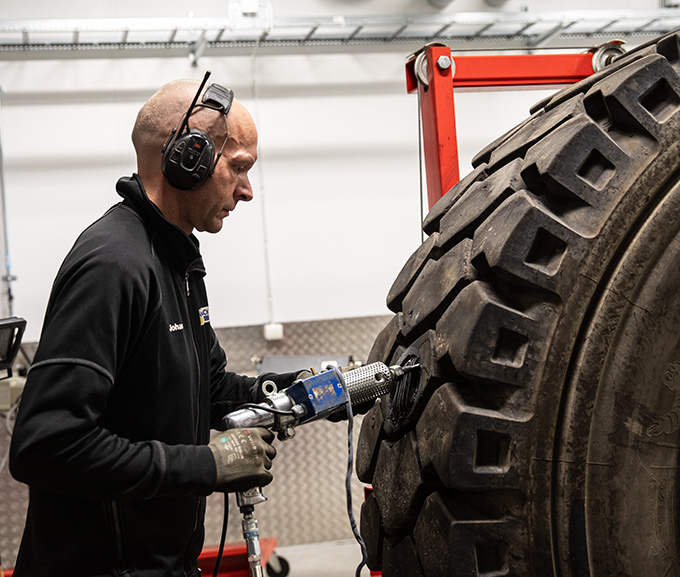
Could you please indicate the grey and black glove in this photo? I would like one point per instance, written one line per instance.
(243, 458)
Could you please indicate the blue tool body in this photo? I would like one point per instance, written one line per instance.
(320, 394)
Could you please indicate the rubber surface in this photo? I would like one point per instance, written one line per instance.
(541, 436)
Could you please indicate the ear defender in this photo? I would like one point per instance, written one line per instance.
(189, 153)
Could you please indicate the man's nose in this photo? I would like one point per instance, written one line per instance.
(245, 191)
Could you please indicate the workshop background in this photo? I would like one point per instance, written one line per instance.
(338, 194)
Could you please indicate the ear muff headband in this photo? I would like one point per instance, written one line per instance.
(189, 153)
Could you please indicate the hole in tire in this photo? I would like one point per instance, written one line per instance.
(660, 101)
(492, 451)
(405, 391)
(547, 251)
(596, 170)
(511, 348)
(492, 558)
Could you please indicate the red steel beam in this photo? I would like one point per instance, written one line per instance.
(437, 107)
(440, 145)
(521, 69)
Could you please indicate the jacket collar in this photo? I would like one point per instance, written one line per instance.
(182, 250)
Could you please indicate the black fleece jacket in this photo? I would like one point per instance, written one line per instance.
(126, 383)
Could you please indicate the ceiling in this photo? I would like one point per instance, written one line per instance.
(194, 37)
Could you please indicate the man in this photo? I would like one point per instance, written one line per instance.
(113, 431)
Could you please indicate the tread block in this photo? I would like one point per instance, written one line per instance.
(444, 204)
(487, 340)
(585, 84)
(484, 155)
(439, 282)
(370, 437)
(459, 539)
(409, 272)
(386, 342)
(469, 447)
(563, 165)
(530, 133)
(478, 202)
(669, 48)
(641, 98)
(400, 559)
(524, 242)
(661, 101)
(402, 488)
(371, 532)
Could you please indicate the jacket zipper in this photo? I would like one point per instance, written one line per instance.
(198, 360)
(118, 533)
(198, 392)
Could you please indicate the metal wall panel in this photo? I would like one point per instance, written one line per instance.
(307, 498)
(13, 504)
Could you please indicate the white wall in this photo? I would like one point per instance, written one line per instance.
(336, 190)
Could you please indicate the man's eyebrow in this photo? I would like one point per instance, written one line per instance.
(244, 157)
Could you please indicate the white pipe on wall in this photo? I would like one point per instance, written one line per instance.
(6, 308)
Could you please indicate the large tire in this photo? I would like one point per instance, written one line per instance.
(541, 435)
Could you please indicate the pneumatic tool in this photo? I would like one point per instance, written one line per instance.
(307, 399)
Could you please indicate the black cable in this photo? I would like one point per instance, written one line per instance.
(223, 538)
(348, 488)
(406, 390)
(267, 408)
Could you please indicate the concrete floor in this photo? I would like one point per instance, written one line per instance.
(333, 559)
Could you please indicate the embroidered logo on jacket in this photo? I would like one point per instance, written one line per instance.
(176, 327)
(204, 315)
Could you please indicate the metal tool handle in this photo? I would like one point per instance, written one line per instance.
(250, 498)
(251, 535)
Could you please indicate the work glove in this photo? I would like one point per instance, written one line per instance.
(243, 458)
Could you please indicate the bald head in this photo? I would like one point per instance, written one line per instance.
(163, 112)
(235, 135)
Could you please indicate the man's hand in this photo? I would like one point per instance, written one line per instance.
(243, 458)
(281, 380)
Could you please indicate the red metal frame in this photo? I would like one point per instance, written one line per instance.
(440, 145)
